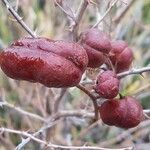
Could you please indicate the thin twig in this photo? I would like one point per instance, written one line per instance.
(118, 18)
(21, 111)
(147, 111)
(82, 88)
(55, 117)
(53, 120)
(66, 12)
(78, 17)
(81, 10)
(40, 131)
(23, 133)
(72, 113)
(125, 134)
(93, 98)
(134, 71)
(146, 116)
(18, 18)
(85, 131)
(105, 14)
(58, 99)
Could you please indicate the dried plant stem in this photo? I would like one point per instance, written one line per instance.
(21, 111)
(18, 18)
(72, 113)
(134, 71)
(53, 120)
(93, 98)
(125, 134)
(81, 10)
(66, 12)
(23, 133)
(58, 99)
(85, 131)
(78, 17)
(105, 14)
(118, 18)
(40, 131)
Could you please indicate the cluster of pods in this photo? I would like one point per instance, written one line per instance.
(56, 63)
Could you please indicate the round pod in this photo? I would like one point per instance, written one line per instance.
(107, 85)
(96, 43)
(124, 113)
(120, 55)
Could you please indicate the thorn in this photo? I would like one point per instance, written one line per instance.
(103, 68)
(146, 116)
(141, 74)
(56, 2)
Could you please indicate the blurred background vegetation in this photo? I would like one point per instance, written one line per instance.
(47, 20)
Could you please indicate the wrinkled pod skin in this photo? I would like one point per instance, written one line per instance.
(107, 84)
(124, 113)
(120, 55)
(96, 43)
(52, 63)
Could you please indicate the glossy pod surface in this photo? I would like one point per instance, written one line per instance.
(96, 58)
(96, 43)
(107, 85)
(124, 113)
(52, 63)
(121, 55)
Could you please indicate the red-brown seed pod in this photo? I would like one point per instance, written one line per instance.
(120, 55)
(95, 42)
(95, 57)
(124, 113)
(107, 85)
(52, 63)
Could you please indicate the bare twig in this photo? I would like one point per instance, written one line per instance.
(72, 113)
(86, 130)
(55, 117)
(81, 10)
(134, 71)
(18, 18)
(125, 134)
(58, 99)
(105, 14)
(66, 12)
(78, 17)
(82, 88)
(147, 111)
(93, 98)
(23, 133)
(118, 18)
(53, 120)
(77, 113)
(146, 116)
(40, 131)
(21, 111)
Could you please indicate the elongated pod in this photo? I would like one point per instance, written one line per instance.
(49, 62)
